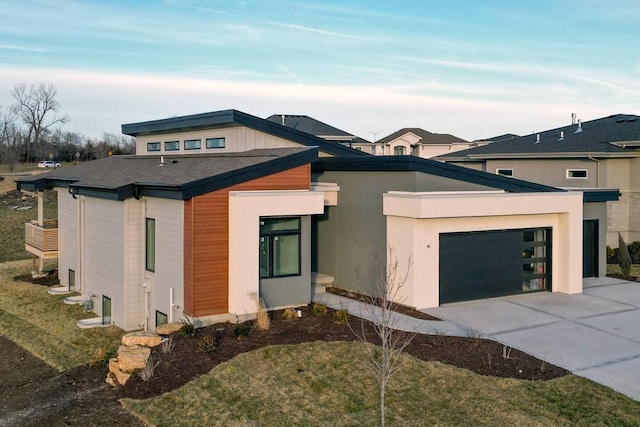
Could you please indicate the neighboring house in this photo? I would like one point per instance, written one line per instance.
(602, 153)
(419, 142)
(221, 208)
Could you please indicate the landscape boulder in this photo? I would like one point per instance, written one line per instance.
(132, 355)
(143, 338)
(168, 328)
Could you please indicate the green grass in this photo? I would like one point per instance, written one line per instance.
(318, 384)
(44, 325)
(12, 224)
(615, 269)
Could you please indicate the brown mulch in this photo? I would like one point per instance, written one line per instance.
(51, 279)
(81, 397)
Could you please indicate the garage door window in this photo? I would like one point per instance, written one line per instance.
(535, 260)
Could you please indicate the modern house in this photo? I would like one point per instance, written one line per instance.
(219, 209)
(597, 154)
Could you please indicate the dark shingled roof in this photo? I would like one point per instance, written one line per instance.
(310, 125)
(503, 137)
(433, 167)
(227, 118)
(426, 137)
(597, 137)
(179, 177)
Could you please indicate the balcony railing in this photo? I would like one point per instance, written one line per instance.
(43, 239)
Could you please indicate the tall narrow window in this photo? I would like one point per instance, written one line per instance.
(150, 245)
(279, 247)
(72, 280)
(106, 310)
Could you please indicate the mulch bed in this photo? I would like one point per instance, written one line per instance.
(88, 400)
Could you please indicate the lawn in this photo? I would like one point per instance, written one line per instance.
(322, 383)
(44, 325)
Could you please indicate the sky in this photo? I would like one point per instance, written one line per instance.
(475, 69)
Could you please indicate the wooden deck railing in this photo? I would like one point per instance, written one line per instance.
(44, 238)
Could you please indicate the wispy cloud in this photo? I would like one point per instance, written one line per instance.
(316, 30)
(605, 84)
(25, 48)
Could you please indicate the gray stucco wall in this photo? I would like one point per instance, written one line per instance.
(350, 238)
(294, 290)
(598, 211)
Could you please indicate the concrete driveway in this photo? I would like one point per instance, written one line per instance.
(595, 335)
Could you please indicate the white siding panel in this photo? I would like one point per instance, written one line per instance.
(237, 138)
(105, 254)
(134, 268)
(169, 216)
(67, 237)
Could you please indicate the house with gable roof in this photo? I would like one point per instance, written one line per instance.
(597, 154)
(219, 209)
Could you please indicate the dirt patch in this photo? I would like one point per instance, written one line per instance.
(89, 401)
(49, 279)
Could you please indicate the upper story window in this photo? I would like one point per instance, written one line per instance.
(153, 146)
(577, 174)
(504, 172)
(215, 143)
(171, 145)
(192, 144)
(398, 151)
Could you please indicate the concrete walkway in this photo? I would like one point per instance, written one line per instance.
(595, 335)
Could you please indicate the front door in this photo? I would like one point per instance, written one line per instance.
(590, 248)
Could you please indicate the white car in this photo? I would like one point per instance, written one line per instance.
(48, 164)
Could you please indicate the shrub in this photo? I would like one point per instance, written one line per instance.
(167, 344)
(289, 313)
(612, 255)
(341, 316)
(263, 315)
(241, 330)
(102, 357)
(207, 344)
(625, 258)
(149, 369)
(187, 330)
(319, 308)
(634, 251)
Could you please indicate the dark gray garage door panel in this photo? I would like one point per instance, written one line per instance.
(480, 265)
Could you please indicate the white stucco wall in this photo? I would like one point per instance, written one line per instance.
(415, 221)
(245, 210)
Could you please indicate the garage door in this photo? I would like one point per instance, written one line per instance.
(487, 264)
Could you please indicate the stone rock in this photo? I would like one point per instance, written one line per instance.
(143, 338)
(111, 379)
(168, 328)
(131, 358)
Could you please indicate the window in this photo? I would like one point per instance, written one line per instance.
(373, 150)
(279, 247)
(504, 172)
(106, 310)
(215, 143)
(161, 318)
(536, 258)
(358, 148)
(72, 280)
(192, 144)
(577, 174)
(150, 244)
(398, 151)
(171, 145)
(153, 146)
(415, 150)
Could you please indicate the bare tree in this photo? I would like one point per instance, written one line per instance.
(36, 106)
(624, 257)
(383, 357)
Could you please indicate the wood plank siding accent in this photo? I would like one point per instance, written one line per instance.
(206, 240)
